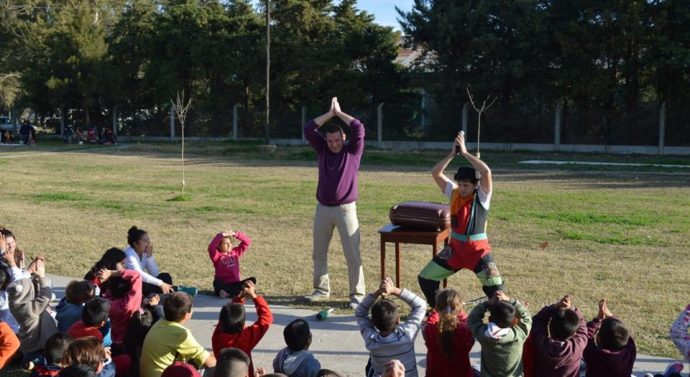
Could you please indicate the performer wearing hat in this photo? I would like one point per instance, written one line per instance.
(469, 248)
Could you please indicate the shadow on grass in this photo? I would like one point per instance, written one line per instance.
(180, 198)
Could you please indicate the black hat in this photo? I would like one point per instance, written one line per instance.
(466, 173)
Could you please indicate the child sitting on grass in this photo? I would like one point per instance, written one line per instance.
(30, 305)
(231, 330)
(610, 350)
(70, 307)
(9, 272)
(96, 323)
(112, 259)
(138, 328)
(559, 337)
(168, 340)
(226, 261)
(90, 351)
(295, 360)
(681, 338)
(679, 333)
(140, 258)
(233, 362)
(94, 318)
(503, 337)
(125, 296)
(53, 353)
(384, 336)
(447, 337)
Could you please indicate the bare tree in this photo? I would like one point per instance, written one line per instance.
(181, 106)
(488, 102)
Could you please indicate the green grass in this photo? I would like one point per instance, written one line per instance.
(59, 197)
(619, 233)
(181, 198)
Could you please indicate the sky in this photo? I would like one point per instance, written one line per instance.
(384, 10)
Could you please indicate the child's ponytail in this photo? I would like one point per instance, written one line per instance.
(448, 306)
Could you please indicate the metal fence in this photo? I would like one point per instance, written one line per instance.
(647, 125)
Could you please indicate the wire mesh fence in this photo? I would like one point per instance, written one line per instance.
(528, 122)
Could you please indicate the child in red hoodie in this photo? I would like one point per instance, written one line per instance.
(231, 330)
(226, 261)
(448, 339)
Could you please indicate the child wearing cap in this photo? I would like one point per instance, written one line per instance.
(226, 261)
(469, 207)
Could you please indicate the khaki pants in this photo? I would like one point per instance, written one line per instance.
(343, 217)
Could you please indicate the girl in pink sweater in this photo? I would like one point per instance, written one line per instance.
(226, 261)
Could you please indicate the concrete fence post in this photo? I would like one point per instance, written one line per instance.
(62, 123)
(465, 116)
(379, 121)
(172, 123)
(115, 121)
(304, 121)
(425, 132)
(662, 127)
(235, 120)
(557, 127)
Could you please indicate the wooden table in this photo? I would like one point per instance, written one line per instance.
(398, 235)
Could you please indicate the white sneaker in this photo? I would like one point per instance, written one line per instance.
(354, 302)
(317, 295)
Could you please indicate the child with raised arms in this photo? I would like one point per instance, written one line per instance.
(448, 338)
(226, 261)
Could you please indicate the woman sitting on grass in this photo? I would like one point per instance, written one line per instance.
(140, 258)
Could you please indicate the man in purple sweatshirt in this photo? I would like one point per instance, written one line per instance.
(336, 193)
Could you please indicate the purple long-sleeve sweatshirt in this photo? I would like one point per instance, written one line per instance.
(556, 358)
(607, 363)
(337, 171)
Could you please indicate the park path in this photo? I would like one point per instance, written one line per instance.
(336, 342)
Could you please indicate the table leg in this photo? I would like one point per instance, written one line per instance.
(397, 265)
(383, 258)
